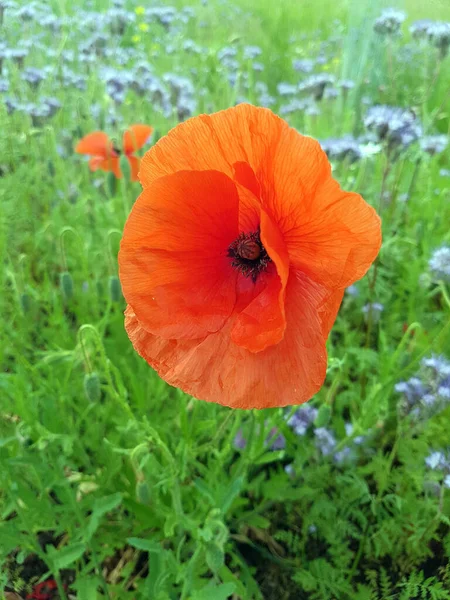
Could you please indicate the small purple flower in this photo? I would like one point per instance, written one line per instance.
(302, 419)
(33, 77)
(434, 144)
(438, 363)
(419, 29)
(325, 440)
(303, 65)
(389, 22)
(286, 89)
(289, 469)
(439, 263)
(439, 36)
(413, 389)
(374, 309)
(239, 441)
(342, 148)
(252, 52)
(352, 291)
(437, 460)
(275, 440)
(315, 85)
(396, 126)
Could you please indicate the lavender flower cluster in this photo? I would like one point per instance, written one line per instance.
(428, 391)
(440, 461)
(439, 264)
(437, 33)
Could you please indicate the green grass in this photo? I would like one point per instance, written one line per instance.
(122, 487)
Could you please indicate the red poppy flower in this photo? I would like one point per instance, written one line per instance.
(235, 258)
(106, 157)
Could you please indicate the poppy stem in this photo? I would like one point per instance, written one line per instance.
(61, 590)
(109, 254)
(84, 349)
(387, 170)
(412, 185)
(62, 247)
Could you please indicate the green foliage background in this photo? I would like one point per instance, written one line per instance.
(139, 488)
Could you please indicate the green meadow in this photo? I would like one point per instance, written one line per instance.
(114, 484)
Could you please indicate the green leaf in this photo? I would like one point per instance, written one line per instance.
(233, 491)
(323, 416)
(215, 557)
(211, 592)
(204, 490)
(107, 504)
(257, 521)
(101, 507)
(146, 545)
(270, 457)
(66, 556)
(87, 587)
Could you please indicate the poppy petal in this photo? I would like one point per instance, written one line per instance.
(173, 260)
(335, 238)
(106, 164)
(96, 143)
(262, 322)
(135, 162)
(135, 137)
(217, 370)
(246, 133)
(250, 144)
(329, 309)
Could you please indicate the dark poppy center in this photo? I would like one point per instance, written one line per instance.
(248, 254)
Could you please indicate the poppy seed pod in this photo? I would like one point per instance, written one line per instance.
(92, 387)
(115, 289)
(25, 302)
(143, 492)
(323, 416)
(66, 284)
(111, 184)
(51, 168)
(125, 167)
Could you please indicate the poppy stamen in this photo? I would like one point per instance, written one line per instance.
(249, 255)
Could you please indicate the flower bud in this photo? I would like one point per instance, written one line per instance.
(323, 416)
(142, 492)
(115, 289)
(111, 184)
(125, 167)
(66, 284)
(92, 387)
(25, 302)
(51, 167)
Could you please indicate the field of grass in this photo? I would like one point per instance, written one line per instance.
(112, 483)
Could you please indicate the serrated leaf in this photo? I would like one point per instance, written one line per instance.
(270, 457)
(101, 507)
(204, 490)
(233, 491)
(66, 556)
(257, 521)
(215, 556)
(211, 592)
(87, 587)
(146, 545)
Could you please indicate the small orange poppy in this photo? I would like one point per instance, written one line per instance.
(106, 157)
(235, 258)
